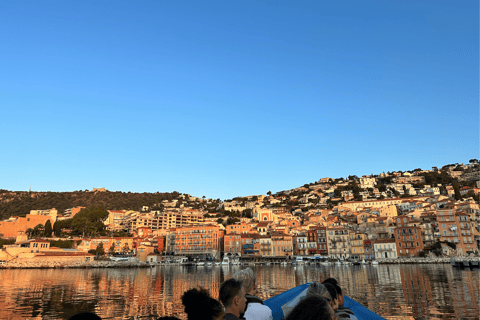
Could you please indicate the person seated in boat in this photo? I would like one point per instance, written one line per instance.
(314, 289)
(232, 296)
(341, 312)
(254, 308)
(312, 308)
(200, 306)
(333, 294)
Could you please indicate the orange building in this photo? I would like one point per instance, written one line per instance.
(195, 240)
(455, 226)
(250, 244)
(232, 243)
(239, 228)
(282, 244)
(11, 227)
(408, 236)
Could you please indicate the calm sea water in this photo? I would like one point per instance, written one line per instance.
(392, 291)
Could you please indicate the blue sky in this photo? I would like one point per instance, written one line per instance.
(232, 98)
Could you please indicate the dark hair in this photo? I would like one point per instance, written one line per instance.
(339, 290)
(310, 308)
(228, 290)
(331, 289)
(331, 280)
(199, 305)
(85, 316)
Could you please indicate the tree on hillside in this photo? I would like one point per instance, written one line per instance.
(89, 221)
(111, 250)
(100, 250)
(48, 229)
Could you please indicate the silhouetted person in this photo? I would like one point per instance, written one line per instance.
(312, 308)
(200, 306)
(85, 316)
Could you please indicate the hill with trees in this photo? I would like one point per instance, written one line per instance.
(19, 203)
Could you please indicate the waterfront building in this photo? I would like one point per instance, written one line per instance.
(11, 227)
(338, 241)
(281, 244)
(250, 244)
(266, 247)
(385, 248)
(110, 244)
(408, 236)
(198, 240)
(357, 245)
(311, 242)
(455, 226)
(299, 243)
(429, 225)
(37, 250)
(232, 243)
(321, 240)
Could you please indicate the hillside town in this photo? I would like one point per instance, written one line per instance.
(385, 216)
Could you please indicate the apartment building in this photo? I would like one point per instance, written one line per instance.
(281, 244)
(408, 236)
(165, 220)
(233, 243)
(198, 240)
(266, 246)
(455, 226)
(357, 245)
(338, 241)
(385, 248)
(250, 244)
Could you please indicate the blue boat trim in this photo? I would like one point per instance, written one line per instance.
(276, 303)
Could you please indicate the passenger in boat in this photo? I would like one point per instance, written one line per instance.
(312, 308)
(314, 289)
(232, 296)
(341, 312)
(318, 289)
(254, 308)
(85, 316)
(333, 293)
(200, 306)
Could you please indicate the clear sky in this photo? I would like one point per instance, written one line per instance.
(232, 98)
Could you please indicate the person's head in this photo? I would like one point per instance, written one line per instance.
(312, 308)
(85, 316)
(199, 305)
(232, 295)
(333, 293)
(340, 296)
(318, 289)
(248, 279)
(331, 280)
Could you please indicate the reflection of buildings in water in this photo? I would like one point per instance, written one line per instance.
(442, 293)
(128, 293)
(389, 274)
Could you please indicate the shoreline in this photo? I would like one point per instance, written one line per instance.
(113, 264)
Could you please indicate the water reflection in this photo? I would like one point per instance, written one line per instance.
(393, 291)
